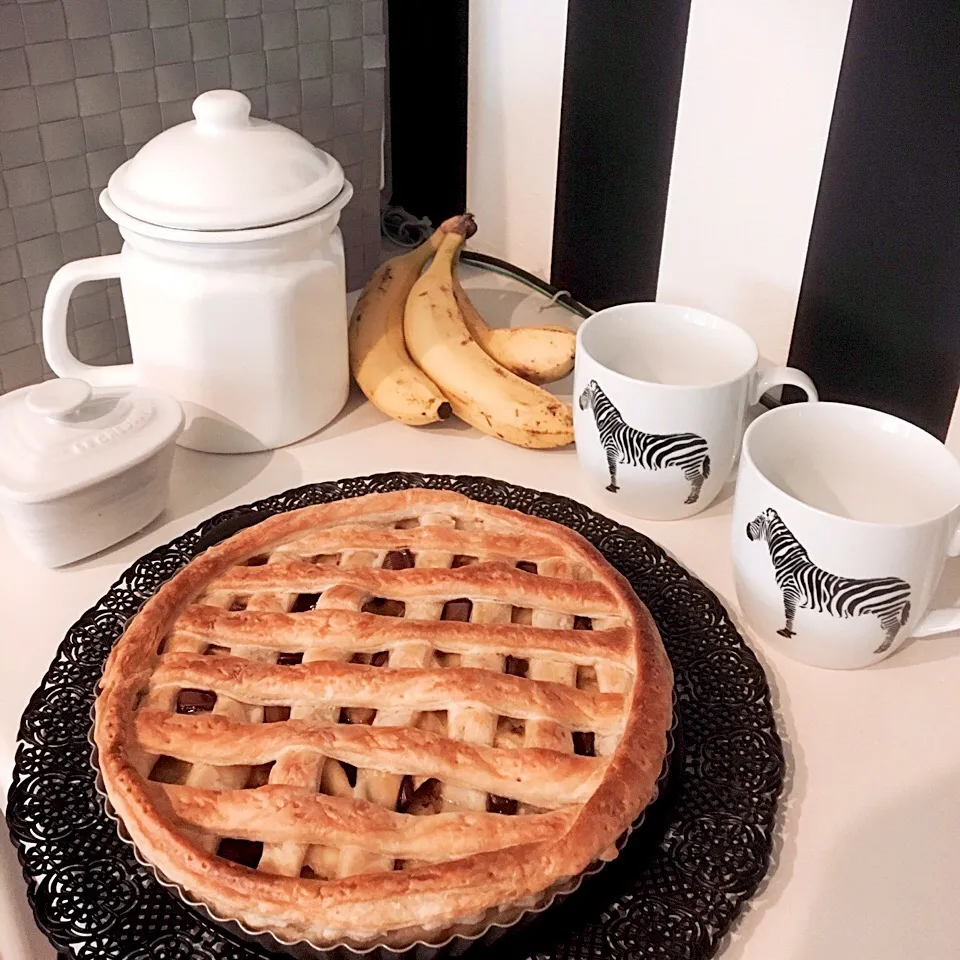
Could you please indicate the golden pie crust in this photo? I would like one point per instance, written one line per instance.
(479, 712)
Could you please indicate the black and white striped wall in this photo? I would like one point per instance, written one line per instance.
(793, 166)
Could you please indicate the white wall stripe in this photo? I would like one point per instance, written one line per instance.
(756, 100)
(514, 93)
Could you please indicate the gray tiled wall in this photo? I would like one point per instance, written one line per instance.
(85, 83)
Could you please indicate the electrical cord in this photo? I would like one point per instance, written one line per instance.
(554, 294)
(406, 230)
(402, 228)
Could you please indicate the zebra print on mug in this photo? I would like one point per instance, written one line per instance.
(650, 451)
(803, 584)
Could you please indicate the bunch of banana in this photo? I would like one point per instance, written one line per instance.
(419, 350)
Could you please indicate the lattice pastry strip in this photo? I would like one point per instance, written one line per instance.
(235, 778)
(611, 678)
(326, 861)
(166, 698)
(304, 767)
(548, 733)
(469, 723)
(376, 786)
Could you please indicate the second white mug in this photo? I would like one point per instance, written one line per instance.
(842, 522)
(661, 394)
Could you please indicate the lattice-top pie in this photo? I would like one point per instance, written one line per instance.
(384, 719)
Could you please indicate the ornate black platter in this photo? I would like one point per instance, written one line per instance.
(673, 893)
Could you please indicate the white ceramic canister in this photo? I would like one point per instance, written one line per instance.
(232, 274)
(80, 469)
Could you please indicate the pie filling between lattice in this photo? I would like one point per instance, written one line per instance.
(383, 719)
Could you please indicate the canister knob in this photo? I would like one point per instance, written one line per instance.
(58, 399)
(221, 110)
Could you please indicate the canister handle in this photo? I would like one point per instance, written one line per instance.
(62, 361)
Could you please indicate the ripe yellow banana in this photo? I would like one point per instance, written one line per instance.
(538, 354)
(480, 390)
(378, 357)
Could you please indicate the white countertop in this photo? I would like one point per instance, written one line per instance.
(867, 860)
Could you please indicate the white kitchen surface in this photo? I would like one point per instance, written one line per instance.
(867, 858)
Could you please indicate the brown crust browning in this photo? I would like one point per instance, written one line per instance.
(465, 542)
(276, 814)
(368, 633)
(481, 581)
(357, 685)
(540, 777)
(431, 897)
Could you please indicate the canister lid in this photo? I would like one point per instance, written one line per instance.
(225, 170)
(62, 436)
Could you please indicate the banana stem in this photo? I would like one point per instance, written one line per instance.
(464, 224)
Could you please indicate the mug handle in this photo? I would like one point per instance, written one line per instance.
(784, 377)
(946, 619)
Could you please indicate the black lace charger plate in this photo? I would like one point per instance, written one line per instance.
(673, 892)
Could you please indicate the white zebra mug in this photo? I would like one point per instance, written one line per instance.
(843, 518)
(661, 395)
